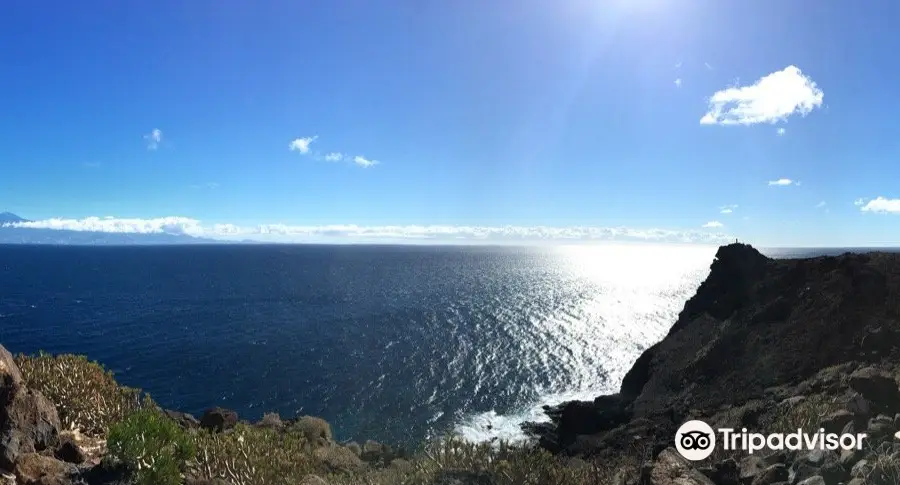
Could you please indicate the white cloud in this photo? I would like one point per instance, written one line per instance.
(880, 204)
(858, 202)
(708, 66)
(364, 162)
(169, 225)
(678, 82)
(782, 182)
(154, 138)
(302, 144)
(821, 204)
(772, 98)
(781, 131)
(728, 209)
(344, 232)
(713, 224)
(678, 65)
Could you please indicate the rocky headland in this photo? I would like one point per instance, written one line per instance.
(768, 345)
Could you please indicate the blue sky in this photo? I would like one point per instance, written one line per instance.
(560, 119)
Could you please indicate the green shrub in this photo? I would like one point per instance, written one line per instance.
(153, 446)
(316, 430)
(251, 455)
(86, 395)
(338, 459)
(447, 460)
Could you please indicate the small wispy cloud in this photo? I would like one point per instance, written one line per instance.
(364, 162)
(289, 233)
(780, 131)
(781, 182)
(713, 225)
(859, 202)
(302, 144)
(880, 205)
(678, 82)
(678, 65)
(153, 139)
(727, 209)
(772, 98)
(821, 204)
(708, 66)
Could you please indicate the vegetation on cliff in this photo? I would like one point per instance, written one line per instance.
(119, 435)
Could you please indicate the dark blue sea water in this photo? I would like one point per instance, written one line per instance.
(389, 343)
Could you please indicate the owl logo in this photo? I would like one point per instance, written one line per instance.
(695, 440)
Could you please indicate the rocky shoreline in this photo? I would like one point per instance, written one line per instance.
(764, 344)
(768, 345)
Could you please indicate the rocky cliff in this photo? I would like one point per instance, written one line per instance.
(756, 329)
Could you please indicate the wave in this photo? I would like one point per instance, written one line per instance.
(491, 426)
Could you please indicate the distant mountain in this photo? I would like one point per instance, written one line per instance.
(27, 235)
(10, 218)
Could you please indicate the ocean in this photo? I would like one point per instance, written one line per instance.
(392, 343)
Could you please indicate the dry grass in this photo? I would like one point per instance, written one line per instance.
(884, 465)
(806, 414)
(271, 420)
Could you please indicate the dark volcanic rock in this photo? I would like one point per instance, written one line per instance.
(835, 422)
(639, 374)
(219, 419)
(876, 386)
(28, 421)
(34, 469)
(771, 475)
(185, 420)
(671, 469)
(69, 451)
(726, 473)
(756, 326)
(576, 418)
(107, 473)
(10, 377)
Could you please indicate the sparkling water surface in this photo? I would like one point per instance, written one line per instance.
(393, 343)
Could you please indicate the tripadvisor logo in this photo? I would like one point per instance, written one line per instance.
(696, 440)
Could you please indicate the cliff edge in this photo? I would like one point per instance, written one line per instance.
(755, 329)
